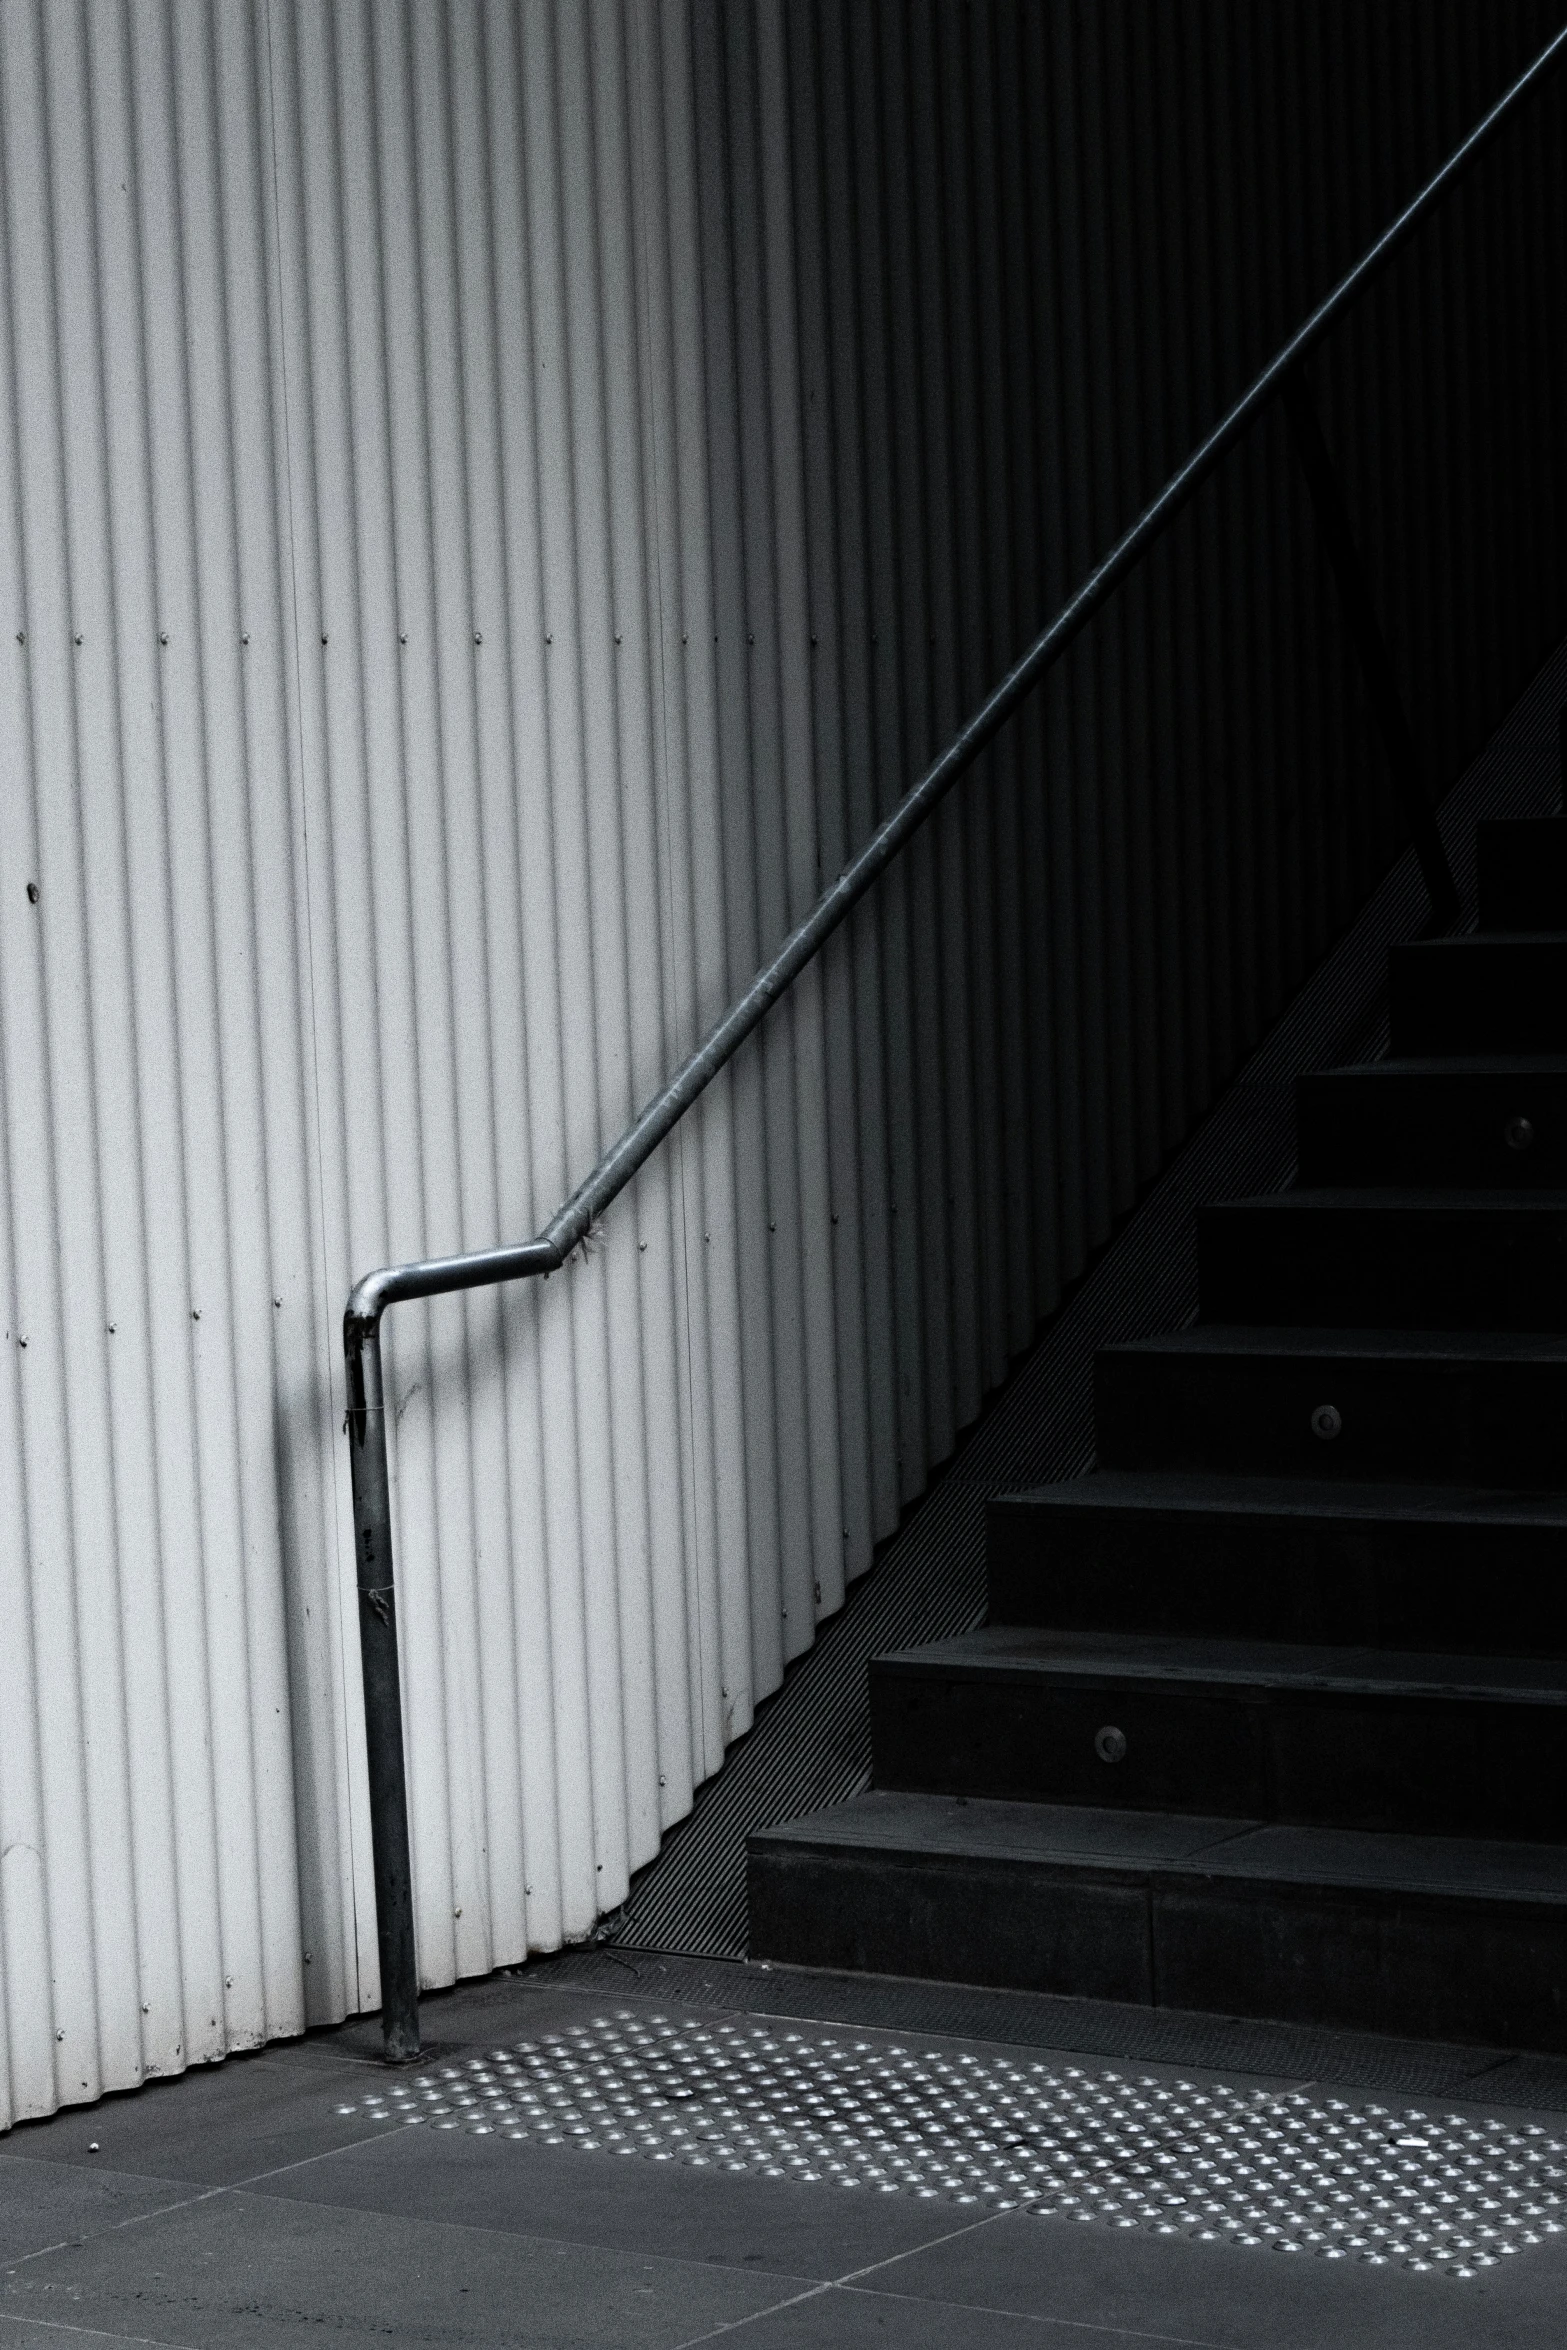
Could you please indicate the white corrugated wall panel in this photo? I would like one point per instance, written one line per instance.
(495, 501)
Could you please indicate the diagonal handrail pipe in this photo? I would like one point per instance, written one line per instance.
(442, 1275)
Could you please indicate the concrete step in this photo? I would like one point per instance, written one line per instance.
(1307, 1559)
(1485, 994)
(1419, 1260)
(1521, 866)
(1428, 1936)
(1476, 1124)
(1453, 1407)
(1339, 1737)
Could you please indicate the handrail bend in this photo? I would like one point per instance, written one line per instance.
(570, 1225)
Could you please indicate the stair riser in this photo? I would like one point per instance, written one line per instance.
(1380, 1268)
(1438, 1968)
(1493, 1425)
(1479, 996)
(1436, 1129)
(958, 1921)
(1412, 1583)
(1428, 1766)
(1521, 865)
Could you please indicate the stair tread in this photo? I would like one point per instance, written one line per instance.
(1202, 1492)
(1475, 940)
(1165, 1844)
(1309, 1342)
(1436, 1068)
(1025, 1652)
(1391, 1199)
(1504, 1064)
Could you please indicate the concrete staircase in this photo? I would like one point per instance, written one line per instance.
(1270, 1714)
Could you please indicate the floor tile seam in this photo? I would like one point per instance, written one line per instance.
(132, 2219)
(834, 2284)
(733, 2325)
(85, 2167)
(302, 2161)
(321, 2053)
(1033, 2317)
(95, 2333)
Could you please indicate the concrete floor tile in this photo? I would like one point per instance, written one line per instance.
(852, 2319)
(240, 2269)
(761, 2225)
(44, 2203)
(1232, 2296)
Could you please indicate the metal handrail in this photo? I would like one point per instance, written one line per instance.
(571, 1224)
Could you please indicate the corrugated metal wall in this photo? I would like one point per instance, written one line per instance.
(493, 503)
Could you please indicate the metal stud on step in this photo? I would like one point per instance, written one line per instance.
(1327, 1421)
(1110, 1744)
(1518, 1133)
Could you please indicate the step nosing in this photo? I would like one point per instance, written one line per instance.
(1260, 1853)
(947, 1663)
(1202, 1493)
(1304, 1341)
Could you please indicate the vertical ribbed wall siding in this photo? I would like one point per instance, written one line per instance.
(495, 501)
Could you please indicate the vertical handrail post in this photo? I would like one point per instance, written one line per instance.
(1349, 573)
(394, 1910)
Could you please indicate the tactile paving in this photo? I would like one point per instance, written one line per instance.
(1290, 2170)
